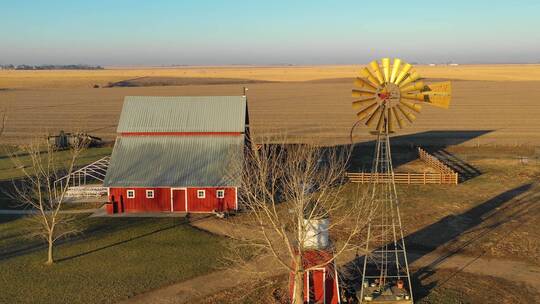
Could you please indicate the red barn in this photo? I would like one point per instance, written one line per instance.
(178, 154)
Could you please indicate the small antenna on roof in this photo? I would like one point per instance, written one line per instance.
(245, 91)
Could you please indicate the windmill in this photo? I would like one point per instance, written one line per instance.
(389, 96)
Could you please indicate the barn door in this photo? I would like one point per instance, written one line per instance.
(178, 198)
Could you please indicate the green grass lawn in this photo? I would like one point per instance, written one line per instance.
(9, 172)
(113, 259)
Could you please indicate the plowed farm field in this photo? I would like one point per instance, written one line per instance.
(492, 104)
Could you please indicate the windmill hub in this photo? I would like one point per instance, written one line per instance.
(388, 94)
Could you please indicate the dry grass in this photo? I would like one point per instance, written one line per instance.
(87, 79)
(440, 287)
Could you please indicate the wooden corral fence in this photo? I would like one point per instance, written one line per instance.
(445, 175)
(433, 162)
(405, 178)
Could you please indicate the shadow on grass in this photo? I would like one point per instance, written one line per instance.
(107, 226)
(404, 150)
(119, 242)
(465, 170)
(179, 222)
(487, 211)
(102, 228)
(447, 230)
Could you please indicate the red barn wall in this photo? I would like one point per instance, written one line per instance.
(211, 202)
(162, 200)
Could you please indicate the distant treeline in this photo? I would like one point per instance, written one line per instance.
(50, 67)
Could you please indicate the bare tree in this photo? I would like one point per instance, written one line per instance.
(41, 164)
(287, 188)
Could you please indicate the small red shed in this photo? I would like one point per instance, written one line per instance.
(178, 154)
(321, 284)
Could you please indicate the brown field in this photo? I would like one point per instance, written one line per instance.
(492, 104)
(87, 79)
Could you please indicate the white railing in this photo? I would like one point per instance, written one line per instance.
(86, 191)
(92, 173)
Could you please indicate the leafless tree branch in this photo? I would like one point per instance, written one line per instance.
(41, 165)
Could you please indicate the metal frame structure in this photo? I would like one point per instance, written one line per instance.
(387, 261)
(389, 95)
(95, 171)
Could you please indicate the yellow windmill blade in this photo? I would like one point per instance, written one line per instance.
(375, 67)
(398, 118)
(361, 93)
(386, 68)
(395, 69)
(370, 120)
(359, 104)
(406, 68)
(365, 112)
(416, 86)
(413, 76)
(410, 117)
(367, 74)
(413, 106)
(363, 84)
(414, 96)
(389, 94)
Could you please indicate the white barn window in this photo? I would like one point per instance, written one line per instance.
(131, 194)
(149, 193)
(201, 193)
(220, 193)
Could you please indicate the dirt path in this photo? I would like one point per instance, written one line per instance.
(215, 282)
(505, 269)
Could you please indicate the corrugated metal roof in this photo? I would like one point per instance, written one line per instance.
(162, 161)
(183, 114)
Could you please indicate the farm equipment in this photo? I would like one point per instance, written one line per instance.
(66, 140)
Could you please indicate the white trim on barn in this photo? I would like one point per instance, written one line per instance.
(337, 283)
(172, 197)
(185, 199)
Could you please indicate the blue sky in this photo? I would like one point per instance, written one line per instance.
(204, 32)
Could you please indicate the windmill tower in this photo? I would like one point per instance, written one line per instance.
(389, 96)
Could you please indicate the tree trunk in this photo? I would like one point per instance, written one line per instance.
(50, 259)
(298, 282)
(298, 288)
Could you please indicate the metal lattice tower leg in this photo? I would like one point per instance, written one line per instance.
(386, 263)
